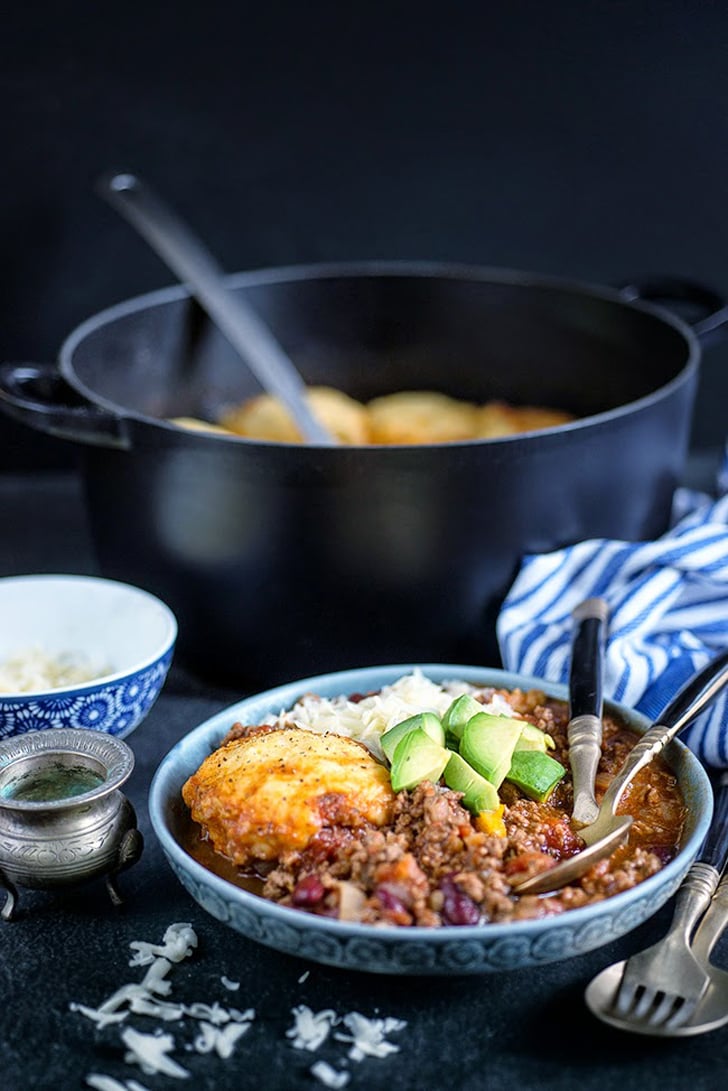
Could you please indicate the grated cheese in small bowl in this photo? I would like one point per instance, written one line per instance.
(33, 670)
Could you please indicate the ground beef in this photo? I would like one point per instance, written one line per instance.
(432, 866)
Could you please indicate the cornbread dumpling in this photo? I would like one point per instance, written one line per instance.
(420, 416)
(265, 417)
(261, 796)
(497, 418)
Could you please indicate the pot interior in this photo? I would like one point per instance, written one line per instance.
(378, 330)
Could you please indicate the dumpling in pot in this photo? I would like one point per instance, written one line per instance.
(266, 418)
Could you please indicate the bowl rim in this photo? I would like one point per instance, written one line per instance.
(112, 753)
(159, 796)
(103, 680)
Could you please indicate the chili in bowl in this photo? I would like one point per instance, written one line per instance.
(301, 818)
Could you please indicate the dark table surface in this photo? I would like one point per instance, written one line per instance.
(521, 1029)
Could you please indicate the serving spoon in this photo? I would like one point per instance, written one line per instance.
(609, 830)
(189, 259)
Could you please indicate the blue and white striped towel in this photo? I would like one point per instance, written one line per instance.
(668, 603)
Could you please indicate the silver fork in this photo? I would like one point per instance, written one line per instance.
(662, 986)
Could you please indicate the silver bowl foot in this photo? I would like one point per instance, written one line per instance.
(130, 849)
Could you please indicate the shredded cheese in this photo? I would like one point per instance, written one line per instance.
(328, 1076)
(219, 1028)
(221, 1040)
(33, 670)
(367, 1036)
(107, 1083)
(368, 719)
(310, 1030)
(151, 1053)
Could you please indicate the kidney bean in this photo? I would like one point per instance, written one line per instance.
(308, 892)
(457, 908)
(390, 901)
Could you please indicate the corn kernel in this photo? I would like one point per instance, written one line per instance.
(491, 822)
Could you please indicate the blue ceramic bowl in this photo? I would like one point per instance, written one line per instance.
(122, 635)
(472, 949)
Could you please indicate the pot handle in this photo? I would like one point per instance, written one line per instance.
(706, 311)
(39, 396)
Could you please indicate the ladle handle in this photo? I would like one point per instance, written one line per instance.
(689, 702)
(192, 262)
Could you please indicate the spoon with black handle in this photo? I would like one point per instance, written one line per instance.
(610, 829)
(585, 704)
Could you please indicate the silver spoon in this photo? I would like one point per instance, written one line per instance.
(609, 829)
(190, 260)
(585, 704)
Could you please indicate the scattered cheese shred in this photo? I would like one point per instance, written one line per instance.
(107, 1083)
(328, 1075)
(178, 943)
(220, 1028)
(222, 1041)
(310, 1030)
(367, 1036)
(150, 1052)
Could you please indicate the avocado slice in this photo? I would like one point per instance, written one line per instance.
(424, 721)
(478, 793)
(417, 757)
(533, 738)
(461, 710)
(535, 773)
(488, 743)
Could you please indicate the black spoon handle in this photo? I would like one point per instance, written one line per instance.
(585, 704)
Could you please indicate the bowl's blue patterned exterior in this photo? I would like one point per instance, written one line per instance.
(463, 950)
(115, 707)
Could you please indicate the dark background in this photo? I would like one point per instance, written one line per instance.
(586, 139)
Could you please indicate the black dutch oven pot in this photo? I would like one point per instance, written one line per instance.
(283, 560)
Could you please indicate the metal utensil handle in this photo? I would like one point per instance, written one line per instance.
(193, 263)
(715, 846)
(702, 878)
(713, 923)
(693, 898)
(689, 702)
(585, 704)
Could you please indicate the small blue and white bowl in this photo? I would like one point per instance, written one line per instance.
(121, 636)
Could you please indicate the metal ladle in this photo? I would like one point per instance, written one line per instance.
(190, 260)
(609, 829)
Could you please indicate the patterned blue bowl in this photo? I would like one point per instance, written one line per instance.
(123, 638)
(472, 949)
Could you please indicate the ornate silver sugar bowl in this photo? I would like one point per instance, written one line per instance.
(63, 819)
